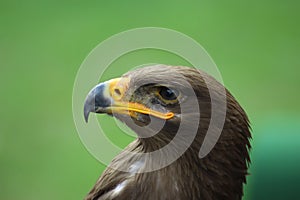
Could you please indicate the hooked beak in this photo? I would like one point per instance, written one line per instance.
(107, 97)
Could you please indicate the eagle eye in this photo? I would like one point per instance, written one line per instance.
(168, 94)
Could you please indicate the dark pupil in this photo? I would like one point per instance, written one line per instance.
(168, 94)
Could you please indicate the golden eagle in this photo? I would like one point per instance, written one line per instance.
(157, 94)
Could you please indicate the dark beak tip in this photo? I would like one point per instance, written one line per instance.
(86, 116)
(86, 111)
(94, 100)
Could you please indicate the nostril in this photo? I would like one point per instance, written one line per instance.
(118, 92)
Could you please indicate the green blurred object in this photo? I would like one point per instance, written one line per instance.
(276, 161)
(255, 44)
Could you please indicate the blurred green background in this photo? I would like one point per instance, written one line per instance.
(256, 45)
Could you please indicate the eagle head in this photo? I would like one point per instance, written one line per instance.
(157, 103)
